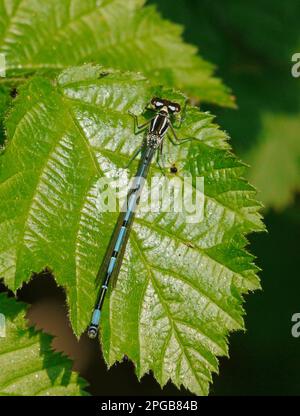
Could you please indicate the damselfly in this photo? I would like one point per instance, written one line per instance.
(159, 126)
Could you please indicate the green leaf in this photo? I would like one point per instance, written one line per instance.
(180, 288)
(29, 367)
(120, 34)
(5, 100)
(276, 160)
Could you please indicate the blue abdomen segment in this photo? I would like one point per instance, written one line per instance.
(96, 317)
(120, 239)
(131, 205)
(111, 265)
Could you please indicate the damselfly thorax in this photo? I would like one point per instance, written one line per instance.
(158, 128)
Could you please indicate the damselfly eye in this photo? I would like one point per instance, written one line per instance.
(157, 102)
(174, 108)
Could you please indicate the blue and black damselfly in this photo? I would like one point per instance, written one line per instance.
(159, 126)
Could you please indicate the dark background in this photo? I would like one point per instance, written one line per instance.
(251, 44)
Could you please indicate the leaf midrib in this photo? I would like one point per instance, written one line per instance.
(170, 318)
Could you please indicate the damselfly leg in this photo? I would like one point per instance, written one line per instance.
(138, 128)
(177, 141)
(134, 156)
(160, 160)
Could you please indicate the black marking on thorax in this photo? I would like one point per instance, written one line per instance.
(159, 124)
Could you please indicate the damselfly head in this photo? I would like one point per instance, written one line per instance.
(166, 105)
